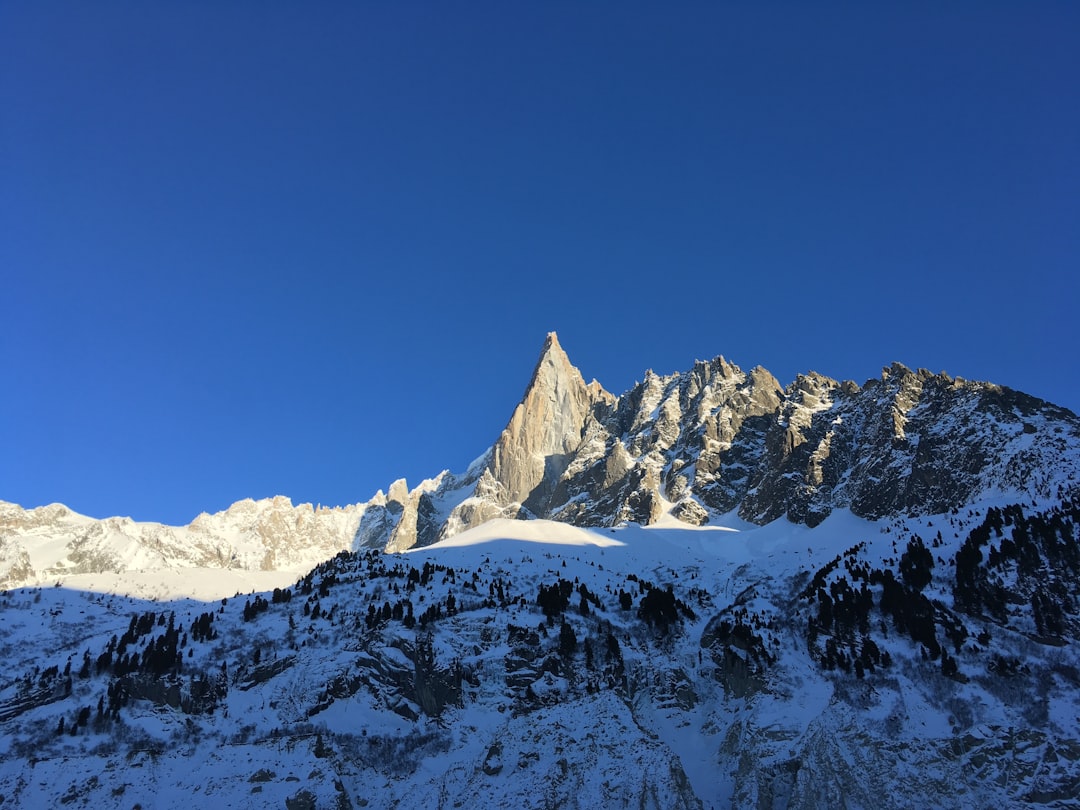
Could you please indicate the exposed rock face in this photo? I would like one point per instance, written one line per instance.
(416, 520)
(287, 535)
(546, 429)
(690, 439)
(716, 439)
(519, 477)
(911, 442)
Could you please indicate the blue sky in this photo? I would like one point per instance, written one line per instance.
(266, 248)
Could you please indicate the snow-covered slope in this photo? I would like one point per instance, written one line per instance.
(251, 544)
(538, 664)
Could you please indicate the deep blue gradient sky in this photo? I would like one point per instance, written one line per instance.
(264, 248)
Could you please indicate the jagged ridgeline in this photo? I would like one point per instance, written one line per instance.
(710, 591)
(715, 439)
(697, 445)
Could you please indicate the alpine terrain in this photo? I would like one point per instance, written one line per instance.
(709, 591)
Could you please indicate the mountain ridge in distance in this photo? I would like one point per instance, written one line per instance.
(694, 445)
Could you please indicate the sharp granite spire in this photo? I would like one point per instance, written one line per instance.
(545, 429)
(520, 472)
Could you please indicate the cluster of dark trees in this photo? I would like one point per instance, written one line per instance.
(159, 656)
(253, 609)
(660, 608)
(735, 645)
(1041, 550)
(845, 610)
(400, 611)
(422, 577)
(860, 660)
(202, 629)
(554, 599)
(1010, 561)
(82, 718)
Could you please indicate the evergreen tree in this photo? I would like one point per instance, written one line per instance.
(567, 640)
(916, 564)
(658, 608)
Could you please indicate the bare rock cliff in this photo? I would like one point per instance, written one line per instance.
(546, 429)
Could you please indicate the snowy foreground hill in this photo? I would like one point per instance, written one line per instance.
(707, 592)
(892, 663)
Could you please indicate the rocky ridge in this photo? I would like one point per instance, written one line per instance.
(694, 445)
(716, 439)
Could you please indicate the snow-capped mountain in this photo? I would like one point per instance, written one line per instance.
(714, 439)
(708, 592)
(694, 445)
(260, 544)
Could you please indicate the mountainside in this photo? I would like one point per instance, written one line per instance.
(708, 592)
(893, 664)
(715, 439)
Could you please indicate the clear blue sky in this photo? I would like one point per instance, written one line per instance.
(285, 248)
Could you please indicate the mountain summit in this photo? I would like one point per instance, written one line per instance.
(546, 429)
(699, 444)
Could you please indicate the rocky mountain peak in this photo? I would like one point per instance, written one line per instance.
(399, 491)
(713, 439)
(895, 369)
(555, 380)
(546, 427)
